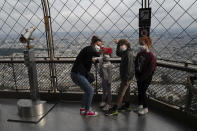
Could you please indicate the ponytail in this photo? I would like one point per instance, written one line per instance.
(95, 39)
(147, 40)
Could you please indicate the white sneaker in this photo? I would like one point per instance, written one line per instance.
(143, 111)
(106, 107)
(140, 107)
(102, 104)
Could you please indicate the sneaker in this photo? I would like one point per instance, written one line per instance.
(143, 111)
(106, 107)
(82, 111)
(91, 113)
(124, 108)
(112, 112)
(102, 104)
(140, 107)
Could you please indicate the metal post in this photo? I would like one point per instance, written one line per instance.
(14, 75)
(50, 45)
(145, 3)
(188, 96)
(96, 68)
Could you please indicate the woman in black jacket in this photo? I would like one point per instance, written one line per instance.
(80, 73)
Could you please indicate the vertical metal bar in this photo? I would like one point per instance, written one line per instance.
(142, 3)
(148, 3)
(96, 69)
(188, 100)
(50, 43)
(14, 75)
(188, 96)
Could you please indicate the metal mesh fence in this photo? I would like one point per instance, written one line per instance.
(173, 24)
(21, 76)
(194, 104)
(14, 76)
(6, 77)
(168, 84)
(64, 82)
(16, 16)
(43, 76)
(173, 29)
(74, 22)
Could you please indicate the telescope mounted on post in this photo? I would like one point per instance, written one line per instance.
(27, 36)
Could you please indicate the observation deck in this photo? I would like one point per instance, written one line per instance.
(63, 28)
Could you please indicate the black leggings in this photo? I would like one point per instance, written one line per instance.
(142, 87)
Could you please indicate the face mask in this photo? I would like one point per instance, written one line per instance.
(97, 48)
(123, 48)
(142, 47)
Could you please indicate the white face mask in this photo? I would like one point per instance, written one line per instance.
(142, 47)
(123, 48)
(97, 48)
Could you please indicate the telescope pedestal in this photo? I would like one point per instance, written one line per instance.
(29, 108)
(30, 111)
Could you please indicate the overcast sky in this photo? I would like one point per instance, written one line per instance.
(97, 14)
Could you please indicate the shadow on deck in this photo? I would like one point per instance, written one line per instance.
(65, 117)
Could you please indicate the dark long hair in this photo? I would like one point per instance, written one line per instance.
(95, 39)
(124, 42)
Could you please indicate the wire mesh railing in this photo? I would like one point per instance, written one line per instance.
(168, 84)
(16, 16)
(173, 25)
(75, 21)
(193, 106)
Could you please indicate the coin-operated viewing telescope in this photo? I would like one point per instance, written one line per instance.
(29, 60)
(27, 36)
(30, 107)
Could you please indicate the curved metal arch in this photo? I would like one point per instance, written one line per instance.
(49, 39)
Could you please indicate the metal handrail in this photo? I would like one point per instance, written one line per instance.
(176, 66)
(192, 68)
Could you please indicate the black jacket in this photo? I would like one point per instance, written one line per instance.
(83, 62)
(127, 64)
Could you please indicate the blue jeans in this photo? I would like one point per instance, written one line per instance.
(83, 83)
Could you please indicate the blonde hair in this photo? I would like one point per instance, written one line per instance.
(147, 40)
